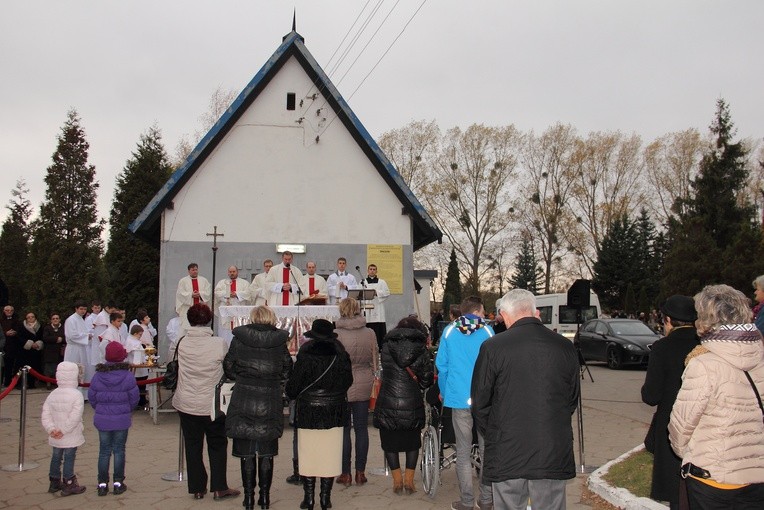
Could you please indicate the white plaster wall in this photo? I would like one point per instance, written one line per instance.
(269, 180)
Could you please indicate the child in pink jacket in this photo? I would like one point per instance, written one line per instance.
(62, 420)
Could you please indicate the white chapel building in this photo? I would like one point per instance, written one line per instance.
(288, 163)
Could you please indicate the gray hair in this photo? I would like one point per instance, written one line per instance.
(718, 305)
(758, 283)
(518, 301)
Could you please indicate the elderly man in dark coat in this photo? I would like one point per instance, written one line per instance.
(524, 390)
(662, 383)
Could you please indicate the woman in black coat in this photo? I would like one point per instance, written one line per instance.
(662, 383)
(399, 415)
(319, 385)
(259, 361)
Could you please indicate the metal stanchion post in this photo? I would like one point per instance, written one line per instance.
(582, 468)
(385, 469)
(179, 475)
(21, 466)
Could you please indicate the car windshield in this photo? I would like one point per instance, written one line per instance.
(631, 328)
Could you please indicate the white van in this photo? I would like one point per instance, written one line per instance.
(555, 314)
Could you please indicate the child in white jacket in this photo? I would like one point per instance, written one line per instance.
(62, 420)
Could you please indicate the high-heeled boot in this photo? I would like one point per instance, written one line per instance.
(309, 486)
(325, 496)
(248, 473)
(265, 466)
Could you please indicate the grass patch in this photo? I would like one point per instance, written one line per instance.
(633, 474)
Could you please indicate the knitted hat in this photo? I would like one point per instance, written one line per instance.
(115, 352)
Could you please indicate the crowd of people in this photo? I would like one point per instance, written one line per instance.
(512, 393)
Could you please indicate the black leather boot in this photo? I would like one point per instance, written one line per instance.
(294, 478)
(265, 466)
(324, 497)
(309, 486)
(248, 473)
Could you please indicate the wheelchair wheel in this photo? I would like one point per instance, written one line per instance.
(430, 461)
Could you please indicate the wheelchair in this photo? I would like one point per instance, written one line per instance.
(439, 443)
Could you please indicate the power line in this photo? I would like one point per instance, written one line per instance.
(379, 60)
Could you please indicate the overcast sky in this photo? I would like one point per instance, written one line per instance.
(649, 67)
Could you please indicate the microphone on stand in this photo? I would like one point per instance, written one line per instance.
(363, 280)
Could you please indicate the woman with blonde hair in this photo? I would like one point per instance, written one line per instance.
(361, 344)
(259, 361)
(717, 422)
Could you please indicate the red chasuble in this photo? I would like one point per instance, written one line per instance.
(195, 287)
(285, 293)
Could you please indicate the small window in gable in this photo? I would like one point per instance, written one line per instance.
(290, 100)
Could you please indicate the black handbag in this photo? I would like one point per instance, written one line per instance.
(170, 380)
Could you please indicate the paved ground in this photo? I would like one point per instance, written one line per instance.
(615, 420)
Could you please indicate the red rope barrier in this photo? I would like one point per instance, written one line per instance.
(10, 387)
(150, 381)
(47, 379)
(38, 375)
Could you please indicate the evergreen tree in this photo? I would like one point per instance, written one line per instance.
(66, 247)
(649, 262)
(527, 275)
(132, 263)
(719, 231)
(618, 264)
(452, 295)
(630, 302)
(14, 246)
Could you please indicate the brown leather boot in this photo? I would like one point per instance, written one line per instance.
(360, 477)
(397, 481)
(408, 481)
(345, 479)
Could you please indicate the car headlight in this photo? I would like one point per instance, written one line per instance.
(633, 348)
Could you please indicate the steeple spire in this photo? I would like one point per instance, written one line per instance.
(294, 20)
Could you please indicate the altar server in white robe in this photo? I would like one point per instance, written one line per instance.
(258, 293)
(283, 282)
(231, 291)
(77, 336)
(100, 325)
(313, 284)
(192, 289)
(375, 317)
(339, 282)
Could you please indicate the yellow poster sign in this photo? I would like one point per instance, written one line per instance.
(389, 261)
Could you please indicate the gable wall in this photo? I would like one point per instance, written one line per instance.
(268, 180)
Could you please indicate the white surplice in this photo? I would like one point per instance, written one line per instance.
(319, 284)
(275, 280)
(258, 293)
(223, 298)
(76, 351)
(333, 285)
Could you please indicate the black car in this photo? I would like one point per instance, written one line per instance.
(618, 342)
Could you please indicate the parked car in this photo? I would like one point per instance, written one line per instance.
(618, 342)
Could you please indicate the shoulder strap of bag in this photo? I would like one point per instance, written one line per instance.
(306, 388)
(755, 392)
(412, 374)
(177, 346)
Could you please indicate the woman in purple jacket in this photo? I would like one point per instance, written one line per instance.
(113, 394)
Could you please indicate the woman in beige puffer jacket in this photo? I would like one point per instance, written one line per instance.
(716, 426)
